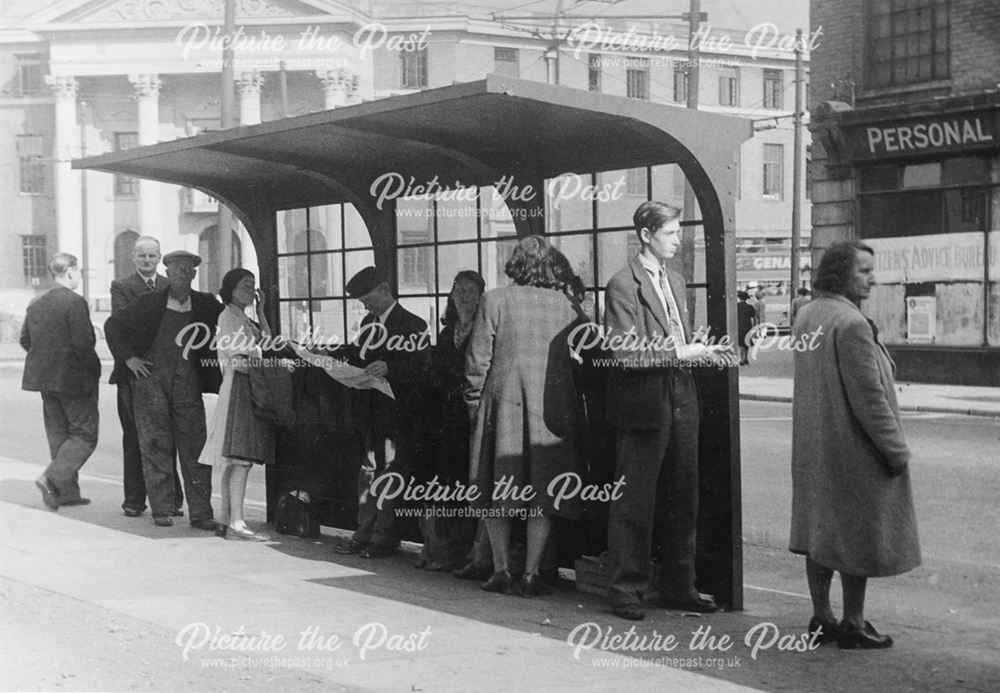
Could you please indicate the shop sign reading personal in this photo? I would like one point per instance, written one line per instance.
(934, 258)
(924, 136)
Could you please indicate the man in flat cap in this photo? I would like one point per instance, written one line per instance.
(393, 345)
(162, 343)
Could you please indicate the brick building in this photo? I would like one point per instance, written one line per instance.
(906, 120)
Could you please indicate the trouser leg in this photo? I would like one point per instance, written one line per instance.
(132, 479)
(188, 419)
(82, 422)
(630, 523)
(678, 494)
(151, 407)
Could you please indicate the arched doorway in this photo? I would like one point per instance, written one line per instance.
(124, 246)
(209, 272)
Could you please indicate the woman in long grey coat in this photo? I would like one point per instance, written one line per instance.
(522, 398)
(852, 507)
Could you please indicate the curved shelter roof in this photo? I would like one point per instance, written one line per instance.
(471, 133)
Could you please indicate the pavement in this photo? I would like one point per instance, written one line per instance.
(92, 600)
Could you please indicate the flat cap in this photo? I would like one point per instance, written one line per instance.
(364, 282)
(181, 255)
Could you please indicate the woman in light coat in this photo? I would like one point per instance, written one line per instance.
(852, 507)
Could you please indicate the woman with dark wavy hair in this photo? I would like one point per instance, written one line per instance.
(238, 339)
(522, 399)
(852, 508)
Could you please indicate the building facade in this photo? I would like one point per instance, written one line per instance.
(87, 77)
(908, 160)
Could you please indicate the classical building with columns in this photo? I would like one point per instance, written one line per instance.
(86, 77)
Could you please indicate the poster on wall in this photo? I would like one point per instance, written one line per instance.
(921, 319)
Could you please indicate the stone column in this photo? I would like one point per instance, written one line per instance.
(68, 190)
(338, 86)
(147, 97)
(248, 85)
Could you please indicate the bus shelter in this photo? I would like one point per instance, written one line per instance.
(429, 183)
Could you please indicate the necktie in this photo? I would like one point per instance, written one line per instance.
(151, 284)
(673, 312)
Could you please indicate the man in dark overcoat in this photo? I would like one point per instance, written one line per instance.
(653, 403)
(163, 342)
(394, 344)
(144, 280)
(63, 365)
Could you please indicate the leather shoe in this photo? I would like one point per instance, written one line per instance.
(131, 512)
(50, 495)
(163, 521)
(631, 612)
(75, 501)
(866, 638)
(500, 582)
(532, 585)
(828, 631)
(698, 605)
(205, 524)
(378, 551)
(350, 547)
(471, 571)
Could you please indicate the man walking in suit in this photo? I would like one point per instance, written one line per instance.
(153, 340)
(653, 402)
(144, 280)
(63, 366)
(395, 346)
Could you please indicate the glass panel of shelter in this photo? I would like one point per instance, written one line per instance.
(466, 229)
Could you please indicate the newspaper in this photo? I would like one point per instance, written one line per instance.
(344, 373)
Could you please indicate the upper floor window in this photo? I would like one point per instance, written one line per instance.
(31, 166)
(413, 67)
(126, 186)
(30, 80)
(505, 62)
(774, 184)
(907, 42)
(774, 90)
(729, 87)
(637, 79)
(680, 86)
(33, 259)
(594, 72)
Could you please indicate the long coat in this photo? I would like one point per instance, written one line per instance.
(520, 389)
(59, 338)
(852, 507)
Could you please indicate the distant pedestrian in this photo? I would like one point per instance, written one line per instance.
(760, 307)
(803, 297)
(852, 508)
(744, 321)
(63, 365)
